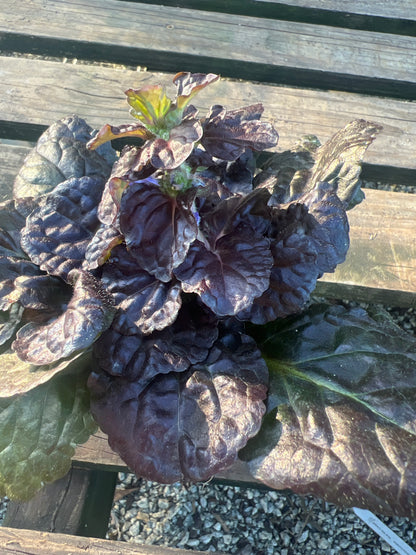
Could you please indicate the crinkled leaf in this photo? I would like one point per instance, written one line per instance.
(109, 132)
(329, 229)
(9, 321)
(308, 237)
(144, 303)
(287, 173)
(185, 425)
(13, 214)
(174, 349)
(158, 228)
(339, 160)
(295, 271)
(292, 173)
(169, 154)
(231, 273)
(99, 248)
(228, 134)
(19, 377)
(342, 410)
(40, 292)
(189, 84)
(39, 432)
(89, 312)
(11, 268)
(58, 232)
(149, 104)
(60, 154)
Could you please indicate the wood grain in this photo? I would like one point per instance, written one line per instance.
(52, 90)
(149, 35)
(30, 542)
(400, 9)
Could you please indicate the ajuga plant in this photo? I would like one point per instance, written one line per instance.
(163, 294)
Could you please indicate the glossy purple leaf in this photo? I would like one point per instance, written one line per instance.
(99, 249)
(158, 228)
(174, 349)
(57, 233)
(89, 312)
(9, 321)
(228, 134)
(230, 273)
(171, 153)
(342, 409)
(295, 271)
(189, 84)
(144, 303)
(185, 425)
(308, 237)
(11, 268)
(61, 154)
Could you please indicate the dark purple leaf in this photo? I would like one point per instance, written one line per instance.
(230, 273)
(228, 134)
(41, 292)
(308, 237)
(174, 349)
(145, 304)
(99, 248)
(189, 84)
(342, 409)
(58, 232)
(61, 154)
(171, 153)
(185, 425)
(329, 229)
(13, 214)
(9, 321)
(88, 314)
(11, 268)
(294, 273)
(158, 228)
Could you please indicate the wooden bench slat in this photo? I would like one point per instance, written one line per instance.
(30, 542)
(52, 90)
(160, 37)
(381, 261)
(399, 9)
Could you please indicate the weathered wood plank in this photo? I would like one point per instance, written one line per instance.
(52, 90)
(266, 49)
(11, 158)
(30, 542)
(382, 258)
(79, 503)
(399, 9)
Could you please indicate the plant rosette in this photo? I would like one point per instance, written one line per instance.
(163, 293)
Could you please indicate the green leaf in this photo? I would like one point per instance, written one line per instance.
(18, 377)
(149, 104)
(343, 389)
(39, 432)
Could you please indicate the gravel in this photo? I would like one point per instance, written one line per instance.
(233, 519)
